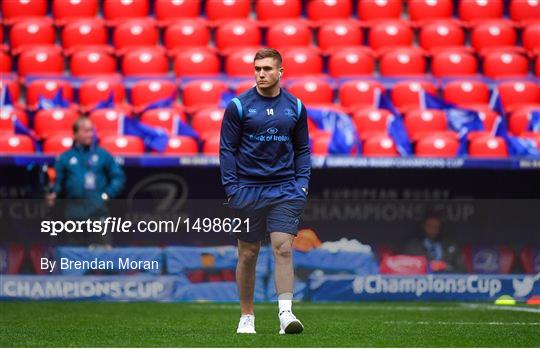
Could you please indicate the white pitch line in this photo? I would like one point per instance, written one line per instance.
(472, 323)
(500, 307)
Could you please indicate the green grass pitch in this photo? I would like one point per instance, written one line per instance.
(93, 324)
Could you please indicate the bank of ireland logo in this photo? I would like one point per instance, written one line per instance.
(523, 288)
(272, 130)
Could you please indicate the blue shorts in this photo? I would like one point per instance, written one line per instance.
(269, 208)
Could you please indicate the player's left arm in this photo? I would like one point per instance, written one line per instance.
(116, 175)
(302, 156)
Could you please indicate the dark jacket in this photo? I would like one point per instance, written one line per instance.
(450, 253)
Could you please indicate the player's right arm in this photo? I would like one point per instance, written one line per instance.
(231, 135)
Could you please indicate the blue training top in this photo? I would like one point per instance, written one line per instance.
(264, 140)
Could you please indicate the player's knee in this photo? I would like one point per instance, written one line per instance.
(283, 251)
(248, 255)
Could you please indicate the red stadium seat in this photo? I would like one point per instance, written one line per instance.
(359, 94)
(288, 33)
(148, 91)
(390, 33)
(312, 91)
(84, 32)
(31, 32)
(135, 32)
(488, 147)
(52, 121)
(454, 63)
(420, 122)
(524, 10)
(499, 64)
(437, 145)
(301, 61)
(519, 120)
(211, 145)
(333, 35)
(47, 88)
(466, 92)
(16, 144)
(243, 86)
(530, 260)
(125, 9)
(489, 259)
(207, 121)
(203, 93)
(58, 143)
(371, 122)
(351, 61)
(7, 116)
(531, 37)
(5, 62)
(277, 9)
(379, 146)
(493, 33)
(406, 94)
(420, 10)
(402, 62)
(441, 33)
(237, 33)
(68, 10)
(41, 60)
(227, 9)
(165, 118)
(12, 85)
(92, 62)
(537, 66)
(145, 61)
(369, 10)
(329, 9)
(533, 136)
(98, 90)
(122, 145)
(13, 10)
(240, 63)
(181, 145)
(320, 143)
(196, 61)
(480, 9)
(517, 93)
(173, 10)
(186, 33)
(107, 121)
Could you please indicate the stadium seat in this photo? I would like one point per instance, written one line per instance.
(488, 147)
(237, 33)
(312, 91)
(421, 10)
(480, 9)
(186, 33)
(518, 93)
(135, 32)
(336, 34)
(181, 145)
(243, 86)
(52, 121)
(107, 121)
(390, 33)
(489, 259)
(58, 143)
(441, 33)
(114, 10)
(47, 88)
(500, 64)
(466, 92)
(328, 9)
(531, 37)
(98, 90)
(537, 66)
(16, 144)
(453, 63)
(196, 61)
(379, 146)
(227, 9)
(145, 61)
(14, 10)
(277, 9)
(92, 62)
(530, 260)
(165, 118)
(148, 91)
(533, 136)
(12, 85)
(301, 61)
(406, 94)
(493, 33)
(68, 10)
(518, 122)
(524, 10)
(5, 62)
(320, 143)
(240, 63)
(288, 33)
(421, 122)
(31, 32)
(6, 119)
(351, 61)
(173, 10)
(41, 60)
(211, 145)
(358, 94)
(371, 122)
(84, 32)
(203, 93)
(207, 121)
(402, 62)
(437, 145)
(369, 10)
(122, 145)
